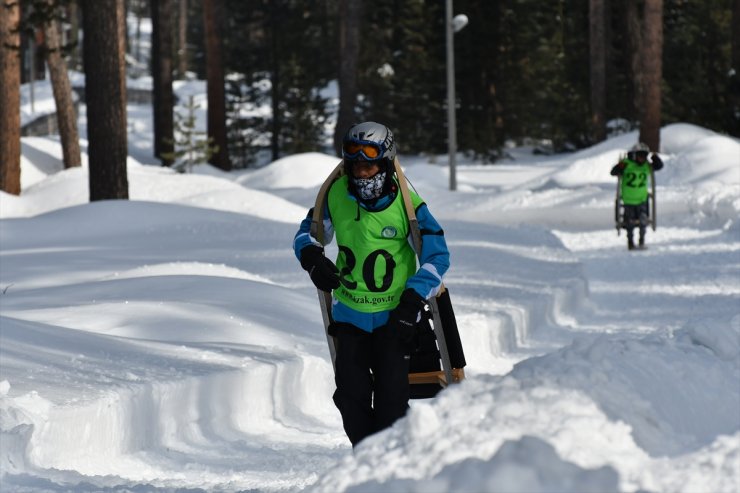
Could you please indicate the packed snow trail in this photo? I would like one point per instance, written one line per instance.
(172, 341)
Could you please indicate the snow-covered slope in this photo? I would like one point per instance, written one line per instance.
(172, 341)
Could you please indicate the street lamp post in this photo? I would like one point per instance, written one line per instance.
(453, 26)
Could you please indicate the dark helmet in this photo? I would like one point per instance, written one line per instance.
(638, 149)
(373, 143)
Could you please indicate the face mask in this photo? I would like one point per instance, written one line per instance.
(370, 188)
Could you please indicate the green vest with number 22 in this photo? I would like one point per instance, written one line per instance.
(375, 258)
(635, 179)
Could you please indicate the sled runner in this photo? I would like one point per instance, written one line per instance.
(619, 205)
(438, 358)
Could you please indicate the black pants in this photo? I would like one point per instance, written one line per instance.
(636, 215)
(372, 380)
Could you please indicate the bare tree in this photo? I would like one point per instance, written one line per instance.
(212, 20)
(66, 117)
(105, 95)
(652, 68)
(162, 75)
(597, 37)
(10, 98)
(349, 51)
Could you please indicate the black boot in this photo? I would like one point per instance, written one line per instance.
(642, 242)
(630, 244)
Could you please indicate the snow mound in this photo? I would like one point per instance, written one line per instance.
(713, 159)
(305, 170)
(70, 187)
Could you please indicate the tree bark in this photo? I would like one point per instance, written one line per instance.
(652, 68)
(275, 53)
(349, 50)
(597, 35)
(212, 20)
(73, 13)
(734, 84)
(10, 98)
(634, 37)
(182, 39)
(736, 37)
(162, 80)
(66, 117)
(105, 95)
(121, 15)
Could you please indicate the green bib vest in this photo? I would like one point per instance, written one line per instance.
(375, 258)
(635, 179)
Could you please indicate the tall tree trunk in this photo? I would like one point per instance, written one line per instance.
(634, 37)
(597, 35)
(10, 98)
(349, 50)
(734, 84)
(275, 80)
(66, 117)
(736, 37)
(212, 17)
(162, 74)
(105, 97)
(652, 68)
(121, 16)
(73, 14)
(182, 39)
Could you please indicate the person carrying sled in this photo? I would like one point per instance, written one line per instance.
(378, 293)
(634, 171)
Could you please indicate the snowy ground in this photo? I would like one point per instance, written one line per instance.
(173, 342)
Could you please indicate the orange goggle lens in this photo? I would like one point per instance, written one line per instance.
(368, 150)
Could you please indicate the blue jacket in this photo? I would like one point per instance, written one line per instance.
(434, 261)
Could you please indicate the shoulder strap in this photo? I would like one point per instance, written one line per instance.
(410, 212)
(409, 206)
(317, 220)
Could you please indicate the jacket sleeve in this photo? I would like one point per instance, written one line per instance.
(303, 237)
(435, 257)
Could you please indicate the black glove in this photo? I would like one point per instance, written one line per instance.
(657, 162)
(322, 271)
(402, 319)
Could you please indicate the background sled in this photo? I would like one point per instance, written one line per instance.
(438, 358)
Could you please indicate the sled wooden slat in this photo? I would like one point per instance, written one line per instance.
(438, 377)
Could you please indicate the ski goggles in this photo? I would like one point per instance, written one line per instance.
(370, 151)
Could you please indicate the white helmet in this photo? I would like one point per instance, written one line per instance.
(373, 143)
(637, 149)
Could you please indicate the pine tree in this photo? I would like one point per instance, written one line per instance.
(191, 146)
(480, 81)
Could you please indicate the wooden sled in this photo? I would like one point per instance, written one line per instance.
(438, 358)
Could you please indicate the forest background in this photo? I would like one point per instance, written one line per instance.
(562, 74)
